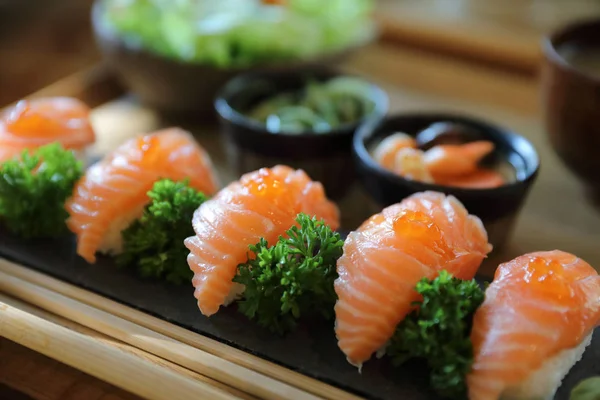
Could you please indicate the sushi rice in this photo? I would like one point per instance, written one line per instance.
(112, 242)
(543, 383)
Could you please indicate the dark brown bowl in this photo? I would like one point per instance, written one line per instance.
(176, 87)
(497, 208)
(571, 102)
(325, 157)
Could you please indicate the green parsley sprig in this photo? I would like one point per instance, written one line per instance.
(292, 278)
(153, 245)
(34, 188)
(438, 331)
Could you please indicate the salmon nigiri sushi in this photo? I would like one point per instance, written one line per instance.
(34, 123)
(262, 204)
(113, 192)
(534, 325)
(387, 256)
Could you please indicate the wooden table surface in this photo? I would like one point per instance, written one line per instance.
(30, 375)
(460, 86)
(506, 32)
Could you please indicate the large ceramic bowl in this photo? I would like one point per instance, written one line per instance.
(497, 207)
(179, 87)
(571, 96)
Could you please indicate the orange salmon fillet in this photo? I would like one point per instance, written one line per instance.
(386, 151)
(262, 204)
(456, 160)
(385, 258)
(480, 179)
(34, 123)
(117, 185)
(538, 305)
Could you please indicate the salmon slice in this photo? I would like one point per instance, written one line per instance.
(386, 150)
(410, 164)
(480, 179)
(456, 160)
(113, 192)
(262, 204)
(535, 322)
(34, 123)
(385, 258)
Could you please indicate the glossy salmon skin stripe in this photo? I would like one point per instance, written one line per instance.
(118, 184)
(385, 258)
(538, 305)
(262, 204)
(34, 123)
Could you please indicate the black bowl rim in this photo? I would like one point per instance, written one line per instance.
(240, 82)
(366, 130)
(554, 40)
(106, 32)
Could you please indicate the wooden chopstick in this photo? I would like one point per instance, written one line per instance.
(155, 343)
(182, 335)
(143, 375)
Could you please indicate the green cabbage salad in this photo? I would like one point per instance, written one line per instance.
(239, 33)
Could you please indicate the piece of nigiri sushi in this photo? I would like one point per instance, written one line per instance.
(262, 204)
(113, 192)
(385, 258)
(534, 325)
(34, 123)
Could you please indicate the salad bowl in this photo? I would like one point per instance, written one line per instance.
(174, 85)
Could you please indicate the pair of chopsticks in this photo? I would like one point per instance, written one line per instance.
(100, 356)
(214, 361)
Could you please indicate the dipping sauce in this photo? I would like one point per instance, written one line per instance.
(319, 107)
(451, 163)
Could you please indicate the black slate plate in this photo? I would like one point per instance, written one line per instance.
(311, 350)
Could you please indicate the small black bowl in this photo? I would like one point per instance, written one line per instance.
(496, 207)
(325, 157)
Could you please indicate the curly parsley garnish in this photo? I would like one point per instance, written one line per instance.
(294, 277)
(438, 331)
(154, 243)
(34, 188)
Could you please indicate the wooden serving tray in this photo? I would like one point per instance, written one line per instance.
(163, 320)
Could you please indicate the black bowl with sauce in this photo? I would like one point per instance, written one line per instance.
(325, 157)
(497, 207)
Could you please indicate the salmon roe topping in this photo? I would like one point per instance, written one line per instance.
(268, 186)
(26, 121)
(548, 277)
(421, 227)
(150, 145)
(416, 224)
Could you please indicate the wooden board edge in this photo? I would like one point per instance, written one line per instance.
(516, 54)
(103, 358)
(187, 348)
(94, 86)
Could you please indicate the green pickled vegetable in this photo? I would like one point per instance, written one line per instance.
(588, 389)
(237, 33)
(318, 108)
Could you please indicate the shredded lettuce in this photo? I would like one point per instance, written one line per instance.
(234, 33)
